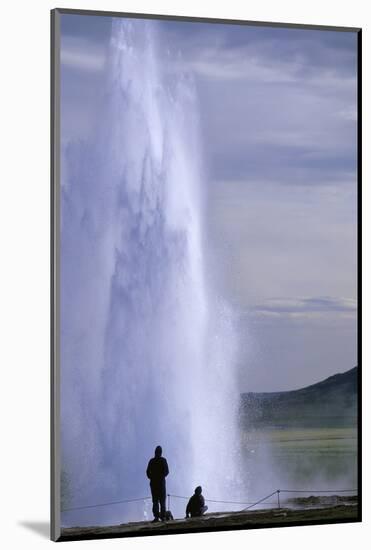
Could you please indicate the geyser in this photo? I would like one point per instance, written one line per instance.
(147, 346)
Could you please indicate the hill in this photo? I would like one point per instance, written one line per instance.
(329, 403)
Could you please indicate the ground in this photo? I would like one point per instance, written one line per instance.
(310, 512)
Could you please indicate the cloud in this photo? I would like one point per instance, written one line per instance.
(82, 54)
(275, 102)
(265, 54)
(240, 64)
(304, 50)
(278, 114)
(288, 96)
(310, 308)
(292, 132)
(282, 240)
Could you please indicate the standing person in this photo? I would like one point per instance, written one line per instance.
(196, 504)
(157, 470)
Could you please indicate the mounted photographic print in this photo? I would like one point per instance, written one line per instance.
(205, 283)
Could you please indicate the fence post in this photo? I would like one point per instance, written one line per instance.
(278, 498)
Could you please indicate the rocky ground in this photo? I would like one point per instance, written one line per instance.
(304, 510)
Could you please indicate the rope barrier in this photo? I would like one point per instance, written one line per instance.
(259, 501)
(227, 501)
(278, 491)
(216, 501)
(321, 491)
(251, 505)
(105, 504)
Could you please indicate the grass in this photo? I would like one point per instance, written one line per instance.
(284, 435)
(303, 458)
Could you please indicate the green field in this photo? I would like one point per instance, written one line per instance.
(301, 459)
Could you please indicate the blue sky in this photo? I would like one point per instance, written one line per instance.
(278, 120)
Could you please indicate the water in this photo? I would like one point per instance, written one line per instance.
(147, 347)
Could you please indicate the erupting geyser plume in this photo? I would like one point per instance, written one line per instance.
(147, 347)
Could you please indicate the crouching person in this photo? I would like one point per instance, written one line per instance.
(196, 504)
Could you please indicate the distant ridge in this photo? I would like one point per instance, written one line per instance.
(329, 403)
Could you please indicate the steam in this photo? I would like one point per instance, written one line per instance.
(147, 347)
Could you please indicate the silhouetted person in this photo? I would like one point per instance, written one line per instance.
(196, 504)
(157, 470)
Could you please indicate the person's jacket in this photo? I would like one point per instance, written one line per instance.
(195, 505)
(157, 469)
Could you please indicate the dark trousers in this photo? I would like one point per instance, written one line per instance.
(200, 512)
(158, 500)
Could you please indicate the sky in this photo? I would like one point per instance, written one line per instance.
(278, 124)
